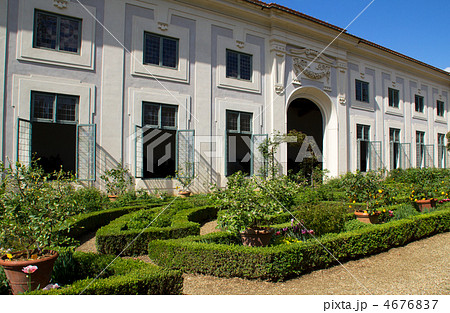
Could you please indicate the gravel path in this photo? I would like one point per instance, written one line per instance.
(421, 267)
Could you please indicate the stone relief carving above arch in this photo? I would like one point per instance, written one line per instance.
(60, 4)
(312, 64)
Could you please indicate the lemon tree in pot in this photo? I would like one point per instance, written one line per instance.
(368, 188)
(118, 181)
(33, 209)
(247, 203)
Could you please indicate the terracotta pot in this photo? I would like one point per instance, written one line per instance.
(184, 194)
(18, 280)
(112, 198)
(367, 218)
(257, 237)
(426, 205)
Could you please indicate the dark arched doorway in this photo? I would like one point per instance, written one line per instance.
(304, 116)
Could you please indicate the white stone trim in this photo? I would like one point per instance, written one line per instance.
(25, 50)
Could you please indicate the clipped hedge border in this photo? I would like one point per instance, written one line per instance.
(83, 224)
(111, 239)
(210, 255)
(124, 277)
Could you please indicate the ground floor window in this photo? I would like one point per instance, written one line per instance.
(362, 136)
(54, 131)
(238, 142)
(441, 151)
(394, 141)
(159, 133)
(420, 149)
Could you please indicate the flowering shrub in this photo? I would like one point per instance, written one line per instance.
(294, 234)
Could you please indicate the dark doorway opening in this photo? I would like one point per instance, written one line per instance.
(304, 116)
(159, 153)
(54, 146)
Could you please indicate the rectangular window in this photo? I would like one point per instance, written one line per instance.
(394, 141)
(420, 149)
(239, 136)
(54, 108)
(440, 108)
(159, 140)
(362, 91)
(419, 105)
(160, 50)
(441, 150)
(394, 100)
(56, 32)
(362, 136)
(239, 65)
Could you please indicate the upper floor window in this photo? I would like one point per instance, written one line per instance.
(393, 97)
(362, 91)
(419, 105)
(440, 108)
(239, 65)
(160, 50)
(56, 32)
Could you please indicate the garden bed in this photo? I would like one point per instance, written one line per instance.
(123, 277)
(220, 254)
(130, 232)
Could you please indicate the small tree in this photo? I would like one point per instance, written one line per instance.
(118, 180)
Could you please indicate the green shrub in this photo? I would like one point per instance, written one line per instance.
(404, 211)
(4, 285)
(184, 218)
(324, 217)
(90, 199)
(211, 255)
(119, 277)
(355, 224)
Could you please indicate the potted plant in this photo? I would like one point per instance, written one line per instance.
(247, 203)
(33, 209)
(423, 195)
(367, 188)
(117, 180)
(185, 176)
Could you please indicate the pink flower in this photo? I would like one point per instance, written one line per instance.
(30, 269)
(51, 286)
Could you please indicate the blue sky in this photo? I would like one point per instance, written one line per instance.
(419, 29)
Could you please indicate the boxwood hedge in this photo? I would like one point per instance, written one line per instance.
(219, 254)
(123, 277)
(116, 236)
(83, 224)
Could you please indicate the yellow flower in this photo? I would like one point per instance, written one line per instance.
(442, 193)
(9, 256)
(354, 201)
(384, 210)
(350, 206)
(380, 191)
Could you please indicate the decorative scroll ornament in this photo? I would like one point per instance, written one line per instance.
(311, 64)
(60, 4)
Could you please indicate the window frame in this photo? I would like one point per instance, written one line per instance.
(54, 118)
(239, 131)
(440, 108)
(161, 50)
(239, 54)
(393, 98)
(364, 86)
(58, 30)
(419, 104)
(160, 107)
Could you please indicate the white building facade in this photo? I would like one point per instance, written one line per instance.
(189, 89)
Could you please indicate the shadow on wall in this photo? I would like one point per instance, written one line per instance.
(205, 175)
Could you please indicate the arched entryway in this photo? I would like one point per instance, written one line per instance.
(304, 117)
(311, 111)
